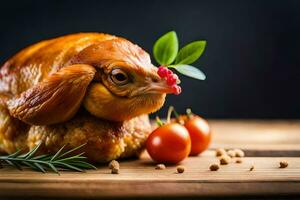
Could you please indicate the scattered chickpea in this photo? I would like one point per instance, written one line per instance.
(115, 170)
(252, 168)
(114, 164)
(160, 166)
(238, 160)
(180, 169)
(239, 153)
(220, 152)
(283, 164)
(231, 153)
(214, 167)
(224, 160)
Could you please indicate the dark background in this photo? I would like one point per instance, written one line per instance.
(251, 60)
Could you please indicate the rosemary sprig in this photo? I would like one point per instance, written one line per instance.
(43, 163)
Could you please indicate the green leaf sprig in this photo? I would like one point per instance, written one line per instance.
(165, 51)
(43, 163)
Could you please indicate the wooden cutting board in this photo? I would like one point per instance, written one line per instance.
(265, 142)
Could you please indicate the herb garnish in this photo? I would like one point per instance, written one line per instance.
(59, 161)
(165, 51)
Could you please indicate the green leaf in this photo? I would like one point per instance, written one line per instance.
(57, 153)
(190, 53)
(83, 164)
(53, 168)
(68, 166)
(70, 151)
(31, 152)
(40, 167)
(76, 157)
(41, 157)
(15, 164)
(165, 48)
(190, 71)
(30, 165)
(13, 155)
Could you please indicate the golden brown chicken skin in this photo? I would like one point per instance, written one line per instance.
(83, 88)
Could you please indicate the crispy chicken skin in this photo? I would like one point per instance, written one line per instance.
(105, 140)
(83, 88)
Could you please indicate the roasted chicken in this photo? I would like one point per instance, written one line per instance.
(83, 88)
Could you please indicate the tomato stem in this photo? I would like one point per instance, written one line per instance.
(189, 113)
(176, 114)
(170, 111)
(158, 121)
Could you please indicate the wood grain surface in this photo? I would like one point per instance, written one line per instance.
(258, 137)
(138, 178)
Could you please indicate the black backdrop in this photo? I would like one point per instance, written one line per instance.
(251, 61)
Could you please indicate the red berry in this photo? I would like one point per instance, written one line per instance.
(176, 89)
(176, 77)
(169, 72)
(162, 71)
(172, 79)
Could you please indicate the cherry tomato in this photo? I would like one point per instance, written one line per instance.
(169, 143)
(200, 134)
